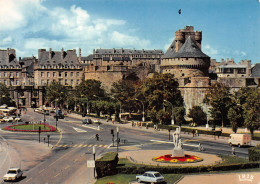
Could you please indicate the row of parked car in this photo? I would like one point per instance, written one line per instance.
(9, 119)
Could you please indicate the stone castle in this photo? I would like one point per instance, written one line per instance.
(195, 71)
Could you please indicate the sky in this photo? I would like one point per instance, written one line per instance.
(230, 28)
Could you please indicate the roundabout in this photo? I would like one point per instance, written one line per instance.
(30, 128)
(147, 157)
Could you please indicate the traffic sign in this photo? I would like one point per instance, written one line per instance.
(91, 163)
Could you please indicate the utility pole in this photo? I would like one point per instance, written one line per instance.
(48, 139)
(39, 134)
(117, 136)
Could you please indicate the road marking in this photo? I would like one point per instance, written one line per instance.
(106, 146)
(91, 127)
(78, 129)
(85, 145)
(57, 175)
(28, 180)
(80, 145)
(90, 145)
(65, 145)
(41, 171)
(100, 145)
(95, 145)
(75, 145)
(59, 139)
(75, 160)
(66, 167)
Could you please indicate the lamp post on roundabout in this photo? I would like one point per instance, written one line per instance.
(143, 119)
(172, 121)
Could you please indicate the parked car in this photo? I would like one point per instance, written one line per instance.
(150, 176)
(8, 119)
(87, 121)
(13, 174)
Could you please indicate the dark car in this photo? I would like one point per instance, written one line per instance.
(87, 121)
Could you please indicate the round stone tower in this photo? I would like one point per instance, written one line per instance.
(184, 57)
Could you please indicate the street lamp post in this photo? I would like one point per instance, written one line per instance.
(117, 135)
(143, 119)
(48, 136)
(172, 121)
(94, 156)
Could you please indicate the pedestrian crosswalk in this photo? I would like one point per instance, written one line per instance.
(81, 145)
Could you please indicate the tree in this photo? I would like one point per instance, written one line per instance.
(89, 88)
(154, 91)
(233, 117)
(56, 94)
(179, 113)
(198, 115)
(125, 92)
(251, 109)
(5, 96)
(219, 97)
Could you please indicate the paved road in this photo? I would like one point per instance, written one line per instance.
(72, 147)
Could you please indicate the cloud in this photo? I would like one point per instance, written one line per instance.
(207, 49)
(14, 14)
(27, 25)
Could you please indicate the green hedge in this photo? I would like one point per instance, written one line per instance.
(180, 170)
(106, 165)
(254, 153)
(189, 130)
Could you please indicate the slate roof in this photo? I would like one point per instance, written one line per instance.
(69, 58)
(87, 58)
(170, 53)
(126, 51)
(8, 61)
(255, 72)
(188, 50)
(191, 50)
(28, 63)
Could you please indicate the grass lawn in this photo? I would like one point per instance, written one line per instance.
(31, 127)
(126, 178)
(170, 178)
(232, 160)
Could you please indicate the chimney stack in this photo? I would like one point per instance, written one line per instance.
(50, 54)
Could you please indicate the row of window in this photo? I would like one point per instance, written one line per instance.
(66, 82)
(66, 74)
(9, 74)
(16, 82)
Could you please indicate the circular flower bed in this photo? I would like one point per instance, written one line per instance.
(184, 159)
(31, 128)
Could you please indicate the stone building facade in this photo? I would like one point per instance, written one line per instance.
(28, 77)
(10, 69)
(112, 65)
(62, 66)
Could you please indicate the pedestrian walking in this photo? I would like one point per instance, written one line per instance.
(193, 132)
(233, 151)
(97, 137)
(200, 147)
(197, 132)
(44, 140)
(146, 125)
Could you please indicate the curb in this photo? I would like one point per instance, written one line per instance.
(179, 179)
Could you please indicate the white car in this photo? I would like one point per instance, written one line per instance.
(150, 176)
(8, 118)
(13, 174)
